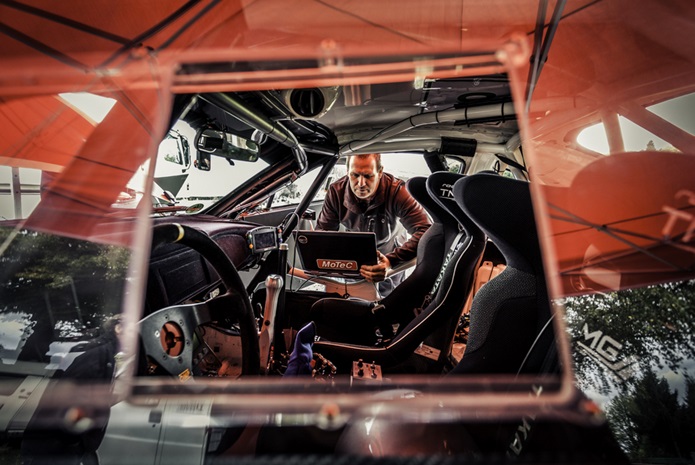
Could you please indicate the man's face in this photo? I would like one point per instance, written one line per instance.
(364, 177)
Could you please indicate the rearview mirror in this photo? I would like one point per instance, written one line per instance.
(227, 145)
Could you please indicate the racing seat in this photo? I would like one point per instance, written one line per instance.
(435, 323)
(510, 320)
(355, 320)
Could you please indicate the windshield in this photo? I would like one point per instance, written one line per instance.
(192, 181)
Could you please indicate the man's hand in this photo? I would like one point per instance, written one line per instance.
(376, 273)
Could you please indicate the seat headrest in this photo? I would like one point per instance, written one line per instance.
(440, 186)
(502, 208)
(417, 187)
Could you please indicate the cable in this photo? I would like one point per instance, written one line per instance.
(307, 280)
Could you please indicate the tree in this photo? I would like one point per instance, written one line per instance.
(56, 285)
(55, 261)
(650, 423)
(621, 340)
(687, 419)
(653, 326)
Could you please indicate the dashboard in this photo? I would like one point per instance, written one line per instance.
(179, 274)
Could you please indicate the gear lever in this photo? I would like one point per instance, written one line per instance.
(273, 286)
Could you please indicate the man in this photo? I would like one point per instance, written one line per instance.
(367, 199)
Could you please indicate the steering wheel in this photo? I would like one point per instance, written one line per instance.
(167, 335)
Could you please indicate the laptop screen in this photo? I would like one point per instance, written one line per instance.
(336, 253)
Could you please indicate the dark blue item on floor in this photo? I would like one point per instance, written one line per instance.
(302, 354)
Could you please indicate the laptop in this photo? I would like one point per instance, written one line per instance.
(335, 253)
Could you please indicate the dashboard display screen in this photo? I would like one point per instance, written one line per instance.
(262, 239)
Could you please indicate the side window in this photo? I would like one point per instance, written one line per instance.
(677, 111)
(456, 165)
(56, 294)
(636, 138)
(622, 229)
(21, 186)
(405, 165)
(20, 191)
(294, 192)
(634, 354)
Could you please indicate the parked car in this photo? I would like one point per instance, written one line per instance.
(161, 162)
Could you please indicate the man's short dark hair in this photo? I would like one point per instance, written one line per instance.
(377, 159)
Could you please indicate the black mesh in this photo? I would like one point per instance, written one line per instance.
(508, 312)
(510, 285)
